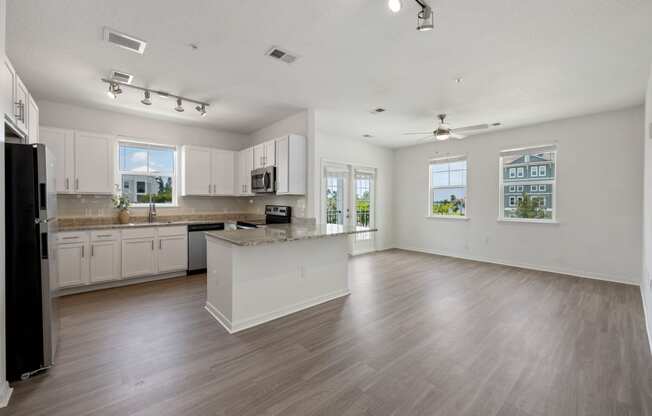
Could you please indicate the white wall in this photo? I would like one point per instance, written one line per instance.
(5, 392)
(329, 147)
(294, 124)
(599, 199)
(53, 114)
(646, 279)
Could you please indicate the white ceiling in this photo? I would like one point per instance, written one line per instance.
(522, 62)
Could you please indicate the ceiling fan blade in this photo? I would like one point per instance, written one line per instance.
(423, 139)
(470, 128)
(421, 132)
(457, 136)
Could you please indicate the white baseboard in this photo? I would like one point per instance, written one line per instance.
(647, 322)
(5, 394)
(241, 325)
(117, 283)
(573, 273)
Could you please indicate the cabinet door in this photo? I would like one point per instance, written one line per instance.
(8, 93)
(270, 153)
(104, 261)
(61, 143)
(259, 156)
(72, 264)
(138, 257)
(93, 163)
(173, 253)
(33, 118)
(282, 165)
(22, 104)
(245, 166)
(222, 172)
(197, 171)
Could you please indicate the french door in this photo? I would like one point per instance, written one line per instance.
(349, 199)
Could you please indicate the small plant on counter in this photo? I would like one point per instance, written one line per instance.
(121, 202)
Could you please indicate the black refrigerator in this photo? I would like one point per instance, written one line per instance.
(30, 224)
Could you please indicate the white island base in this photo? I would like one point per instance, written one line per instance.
(252, 284)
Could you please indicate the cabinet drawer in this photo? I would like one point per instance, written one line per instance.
(72, 237)
(106, 235)
(173, 230)
(145, 232)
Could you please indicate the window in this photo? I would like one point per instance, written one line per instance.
(541, 163)
(512, 173)
(512, 188)
(147, 173)
(520, 172)
(448, 191)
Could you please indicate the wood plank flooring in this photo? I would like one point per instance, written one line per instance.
(419, 335)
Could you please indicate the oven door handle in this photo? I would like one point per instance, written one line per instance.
(266, 181)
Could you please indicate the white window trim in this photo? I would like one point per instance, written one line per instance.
(534, 171)
(548, 180)
(542, 188)
(512, 201)
(545, 169)
(512, 173)
(534, 188)
(520, 172)
(445, 159)
(175, 173)
(512, 188)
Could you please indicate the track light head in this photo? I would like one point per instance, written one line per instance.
(114, 90)
(425, 19)
(201, 109)
(395, 5)
(179, 106)
(147, 100)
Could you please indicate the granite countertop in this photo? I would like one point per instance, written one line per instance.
(84, 224)
(137, 225)
(278, 233)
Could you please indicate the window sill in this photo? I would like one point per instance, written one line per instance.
(157, 206)
(530, 221)
(447, 217)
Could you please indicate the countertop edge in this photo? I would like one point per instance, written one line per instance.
(272, 240)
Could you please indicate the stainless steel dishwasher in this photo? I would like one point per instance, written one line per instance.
(197, 245)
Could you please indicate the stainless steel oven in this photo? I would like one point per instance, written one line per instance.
(263, 180)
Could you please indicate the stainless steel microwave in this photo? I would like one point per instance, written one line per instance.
(263, 180)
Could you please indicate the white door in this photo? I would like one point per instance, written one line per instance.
(33, 119)
(270, 153)
(336, 209)
(197, 171)
(222, 172)
(72, 264)
(62, 145)
(364, 181)
(93, 163)
(138, 257)
(259, 156)
(173, 254)
(104, 261)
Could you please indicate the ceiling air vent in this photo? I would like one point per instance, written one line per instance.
(122, 77)
(124, 41)
(281, 55)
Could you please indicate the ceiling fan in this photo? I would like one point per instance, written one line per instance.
(444, 131)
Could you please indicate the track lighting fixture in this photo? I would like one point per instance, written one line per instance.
(425, 17)
(115, 89)
(179, 106)
(147, 100)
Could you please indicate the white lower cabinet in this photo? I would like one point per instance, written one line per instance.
(92, 257)
(72, 264)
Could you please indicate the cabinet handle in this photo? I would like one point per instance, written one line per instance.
(82, 252)
(70, 238)
(209, 188)
(160, 244)
(92, 250)
(67, 184)
(152, 245)
(214, 188)
(104, 235)
(76, 183)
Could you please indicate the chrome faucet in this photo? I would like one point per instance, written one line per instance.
(151, 213)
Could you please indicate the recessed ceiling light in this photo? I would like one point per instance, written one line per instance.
(367, 136)
(394, 5)
(459, 80)
(378, 110)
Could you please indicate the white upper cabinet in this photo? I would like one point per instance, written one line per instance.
(8, 82)
(223, 169)
(291, 165)
(245, 166)
(265, 154)
(62, 144)
(21, 100)
(207, 171)
(93, 163)
(196, 163)
(32, 121)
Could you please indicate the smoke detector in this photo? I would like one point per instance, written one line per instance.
(124, 41)
(281, 55)
(121, 76)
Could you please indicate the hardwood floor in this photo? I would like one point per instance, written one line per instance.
(419, 335)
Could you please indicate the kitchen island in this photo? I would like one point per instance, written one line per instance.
(257, 275)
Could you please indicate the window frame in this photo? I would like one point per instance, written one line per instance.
(151, 145)
(552, 148)
(534, 171)
(543, 168)
(448, 159)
